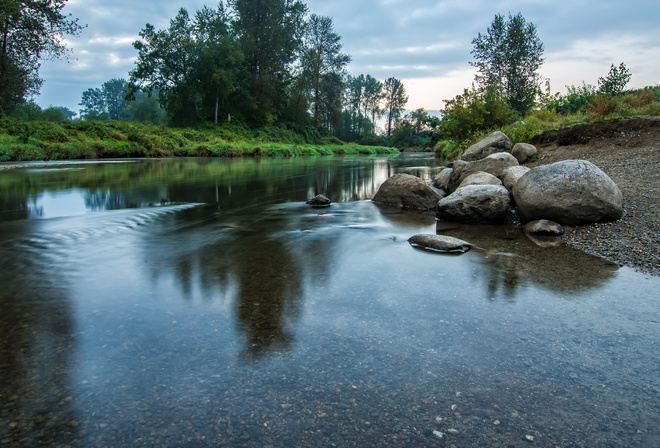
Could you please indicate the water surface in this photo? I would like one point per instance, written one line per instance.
(201, 303)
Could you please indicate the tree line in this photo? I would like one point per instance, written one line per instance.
(273, 62)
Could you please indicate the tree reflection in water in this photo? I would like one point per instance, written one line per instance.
(509, 260)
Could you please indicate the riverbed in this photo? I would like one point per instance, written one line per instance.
(201, 302)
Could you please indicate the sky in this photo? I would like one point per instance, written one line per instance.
(425, 43)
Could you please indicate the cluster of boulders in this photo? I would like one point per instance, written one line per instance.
(489, 181)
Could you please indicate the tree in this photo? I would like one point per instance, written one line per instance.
(166, 63)
(372, 97)
(29, 31)
(57, 113)
(145, 108)
(107, 103)
(395, 101)
(270, 33)
(93, 105)
(323, 65)
(508, 57)
(616, 79)
(114, 95)
(194, 65)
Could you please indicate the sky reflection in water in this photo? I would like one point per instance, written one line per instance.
(201, 303)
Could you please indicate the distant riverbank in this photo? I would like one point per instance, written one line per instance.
(71, 140)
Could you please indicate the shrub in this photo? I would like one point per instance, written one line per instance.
(474, 111)
(604, 105)
(615, 81)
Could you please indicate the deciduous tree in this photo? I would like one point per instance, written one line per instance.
(395, 101)
(323, 66)
(270, 33)
(508, 57)
(30, 30)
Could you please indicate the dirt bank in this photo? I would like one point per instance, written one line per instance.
(627, 150)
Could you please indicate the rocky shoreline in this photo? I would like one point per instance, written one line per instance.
(633, 163)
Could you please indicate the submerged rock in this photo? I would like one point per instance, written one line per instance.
(439, 243)
(405, 190)
(319, 201)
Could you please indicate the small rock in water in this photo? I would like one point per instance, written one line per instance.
(439, 243)
(438, 434)
(319, 201)
(529, 438)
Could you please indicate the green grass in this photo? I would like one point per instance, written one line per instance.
(23, 141)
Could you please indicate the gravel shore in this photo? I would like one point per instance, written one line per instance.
(629, 152)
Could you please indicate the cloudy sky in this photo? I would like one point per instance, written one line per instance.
(425, 43)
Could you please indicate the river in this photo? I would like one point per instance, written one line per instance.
(200, 302)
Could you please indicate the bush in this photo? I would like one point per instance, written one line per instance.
(474, 112)
(604, 105)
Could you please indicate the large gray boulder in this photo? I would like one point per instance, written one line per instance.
(405, 190)
(480, 178)
(475, 204)
(441, 180)
(512, 174)
(439, 243)
(495, 142)
(523, 152)
(570, 192)
(493, 164)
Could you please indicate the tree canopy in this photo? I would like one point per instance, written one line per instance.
(508, 57)
(29, 31)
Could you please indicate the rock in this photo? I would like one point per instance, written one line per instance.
(319, 201)
(570, 192)
(441, 180)
(543, 227)
(493, 164)
(439, 243)
(512, 174)
(495, 142)
(405, 190)
(480, 178)
(475, 204)
(523, 152)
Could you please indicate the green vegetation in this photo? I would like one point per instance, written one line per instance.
(23, 141)
(580, 105)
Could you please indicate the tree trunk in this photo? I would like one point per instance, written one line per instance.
(215, 117)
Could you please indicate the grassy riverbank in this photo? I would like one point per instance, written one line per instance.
(562, 112)
(28, 141)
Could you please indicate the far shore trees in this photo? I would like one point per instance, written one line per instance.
(29, 31)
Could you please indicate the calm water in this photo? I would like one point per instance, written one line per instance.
(202, 303)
